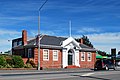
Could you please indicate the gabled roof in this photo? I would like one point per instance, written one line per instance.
(52, 40)
(70, 40)
(55, 42)
(48, 40)
(84, 46)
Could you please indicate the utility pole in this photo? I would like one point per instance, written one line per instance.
(39, 33)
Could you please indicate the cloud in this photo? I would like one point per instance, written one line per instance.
(105, 41)
(17, 21)
(8, 32)
(6, 37)
(88, 30)
(35, 32)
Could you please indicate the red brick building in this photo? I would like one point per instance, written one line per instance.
(55, 52)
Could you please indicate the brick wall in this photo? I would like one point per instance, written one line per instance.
(86, 63)
(48, 63)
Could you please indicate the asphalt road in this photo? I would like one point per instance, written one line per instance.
(60, 75)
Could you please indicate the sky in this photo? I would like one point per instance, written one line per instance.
(97, 19)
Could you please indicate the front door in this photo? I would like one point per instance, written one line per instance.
(70, 59)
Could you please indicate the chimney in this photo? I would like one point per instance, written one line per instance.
(24, 37)
(81, 40)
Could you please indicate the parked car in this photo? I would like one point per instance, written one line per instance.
(104, 64)
(118, 63)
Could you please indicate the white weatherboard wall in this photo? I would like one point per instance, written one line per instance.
(68, 44)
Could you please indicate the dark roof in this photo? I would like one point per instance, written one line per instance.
(52, 40)
(85, 46)
(48, 40)
(31, 42)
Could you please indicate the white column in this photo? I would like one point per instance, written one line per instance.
(77, 58)
(64, 58)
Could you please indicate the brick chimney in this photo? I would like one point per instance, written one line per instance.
(81, 40)
(24, 37)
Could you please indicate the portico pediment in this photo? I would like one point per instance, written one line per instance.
(70, 42)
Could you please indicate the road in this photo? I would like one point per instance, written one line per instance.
(60, 75)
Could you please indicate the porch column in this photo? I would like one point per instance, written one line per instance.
(77, 58)
(64, 58)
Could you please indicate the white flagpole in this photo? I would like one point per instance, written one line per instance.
(70, 24)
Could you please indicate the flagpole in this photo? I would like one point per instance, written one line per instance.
(70, 24)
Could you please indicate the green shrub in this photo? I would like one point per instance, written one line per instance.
(9, 61)
(18, 62)
(2, 61)
(8, 66)
(31, 62)
(1, 66)
(28, 65)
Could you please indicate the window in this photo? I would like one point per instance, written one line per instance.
(14, 44)
(82, 56)
(55, 55)
(29, 53)
(45, 54)
(89, 56)
(19, 43)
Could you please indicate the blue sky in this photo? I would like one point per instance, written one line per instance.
(97, 19)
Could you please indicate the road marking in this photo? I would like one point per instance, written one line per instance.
(88, 74)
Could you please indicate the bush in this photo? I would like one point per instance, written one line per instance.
(31, 62)
(18, 62)
(1, 66)
(28, 65)
(9, 61)
(2, 61)
(8, 66)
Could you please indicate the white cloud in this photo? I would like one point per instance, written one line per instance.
(6, 35)
(9, 32)
(5, 45)
(105, 41)
(48, 32)
(35, 32)
(88, 30)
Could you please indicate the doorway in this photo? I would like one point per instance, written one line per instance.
(70, 57)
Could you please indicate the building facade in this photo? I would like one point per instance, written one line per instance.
(55, 52)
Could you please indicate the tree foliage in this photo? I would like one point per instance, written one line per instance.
(102, 53)
(18, 62)
(2, 61)
(86, 41)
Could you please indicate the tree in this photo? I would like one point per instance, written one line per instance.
(103, 53)
(2, 61)
(86, 41)
(18, 62)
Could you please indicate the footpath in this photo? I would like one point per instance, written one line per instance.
(46, 71)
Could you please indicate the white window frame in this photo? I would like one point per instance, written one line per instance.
(55, 54)
(45, 59)
(89, 56)
(82, 54)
